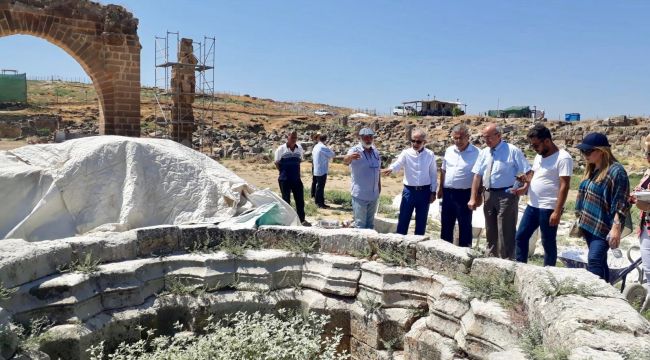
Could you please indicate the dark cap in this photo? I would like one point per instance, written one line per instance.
(593, 140)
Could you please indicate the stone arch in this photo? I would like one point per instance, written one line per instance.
(103, 39)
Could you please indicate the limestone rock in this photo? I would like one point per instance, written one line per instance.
(443, 257)
(332, 274)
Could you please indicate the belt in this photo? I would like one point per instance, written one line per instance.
(498, 189)
(418, 188)
(456, 189)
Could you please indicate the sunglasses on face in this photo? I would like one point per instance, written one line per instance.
(587, 152)
(647, 154)
(417, 141)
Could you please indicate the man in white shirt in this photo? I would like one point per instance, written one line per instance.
(287, 160)
(498, 167)
(321, 156)
(455, 187)
(420, 182)
(547, 192)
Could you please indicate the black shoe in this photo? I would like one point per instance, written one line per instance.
(324, 207)
(305, 223)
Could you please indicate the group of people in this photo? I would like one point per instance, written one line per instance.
(495, 177)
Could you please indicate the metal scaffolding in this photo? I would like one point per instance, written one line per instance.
(166, 49)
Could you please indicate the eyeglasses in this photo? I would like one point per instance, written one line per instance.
(417, 141)
(587, 152)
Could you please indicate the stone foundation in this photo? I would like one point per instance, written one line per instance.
(421, 311)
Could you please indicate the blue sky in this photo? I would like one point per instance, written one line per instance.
(587, 56)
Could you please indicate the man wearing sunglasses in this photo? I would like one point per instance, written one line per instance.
(420, 182)
(498, 167)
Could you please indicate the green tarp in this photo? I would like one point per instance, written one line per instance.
(13, 88)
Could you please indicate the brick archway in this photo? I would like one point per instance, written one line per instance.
(103, 39)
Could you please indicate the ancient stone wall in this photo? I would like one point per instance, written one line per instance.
(102, 39)
(421, 310)
(183, 85)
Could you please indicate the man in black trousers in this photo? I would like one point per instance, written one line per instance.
(287, 160)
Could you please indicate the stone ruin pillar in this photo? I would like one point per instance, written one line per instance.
(183, 85)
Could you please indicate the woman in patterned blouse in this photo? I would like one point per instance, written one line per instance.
(602, 201)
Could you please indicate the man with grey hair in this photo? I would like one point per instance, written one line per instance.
(287, 160)
(455, 187)
(420, 182)
(364, 161)
(499, 167)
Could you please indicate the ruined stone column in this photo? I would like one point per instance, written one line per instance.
(183, 85)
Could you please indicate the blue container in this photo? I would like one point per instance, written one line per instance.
(572, 117)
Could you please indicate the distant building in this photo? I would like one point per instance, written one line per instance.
(13, 87)
(436, 107)
(512, 112)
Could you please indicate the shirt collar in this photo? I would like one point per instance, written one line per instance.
(499, 146)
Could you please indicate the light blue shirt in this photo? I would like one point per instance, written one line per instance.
(321, 156)
(509, 161)
(458, 166)
(365, 174)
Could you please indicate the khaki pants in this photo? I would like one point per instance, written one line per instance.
(501, 210)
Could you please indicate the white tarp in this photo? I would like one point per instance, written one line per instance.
(53, 191)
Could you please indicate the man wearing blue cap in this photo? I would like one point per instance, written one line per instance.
(420, 182)
(364, 161)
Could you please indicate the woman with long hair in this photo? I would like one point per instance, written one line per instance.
(602, 202)
(644, 224)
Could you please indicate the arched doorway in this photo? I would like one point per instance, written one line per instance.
(102, 39)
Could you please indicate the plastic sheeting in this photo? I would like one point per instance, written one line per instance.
(53, 191)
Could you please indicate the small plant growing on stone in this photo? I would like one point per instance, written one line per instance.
(299, 245)
(532, 344)
(88, 265)
(492, 287)
(6, 293)
(371, 306)
(176, 286)
(418, 311)
(364, 253)
(237, 249)
(30, 337)
(389, 345)
(568, 286)
(399, 257)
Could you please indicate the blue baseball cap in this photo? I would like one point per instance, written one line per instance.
(366, 131)
(593, 140)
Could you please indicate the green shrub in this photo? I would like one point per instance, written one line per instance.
(568, 286)
(532, 344)
(283, 336)
(87, 265)
(492, 287)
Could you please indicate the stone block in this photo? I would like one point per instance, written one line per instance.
(385, 225)
(332, 274)
(157, 240)
(443, 257)
(219, 234)
(287, 237)
(361, 351)
(193, 237)
(269, 269)
(587, 353)
(396, 286)
(501, 268)
(105, 247)
(353, 242)
(421, 343)
(395, 245)
(488, 321)
(512, 354)
(22, 261)
(382, 326)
